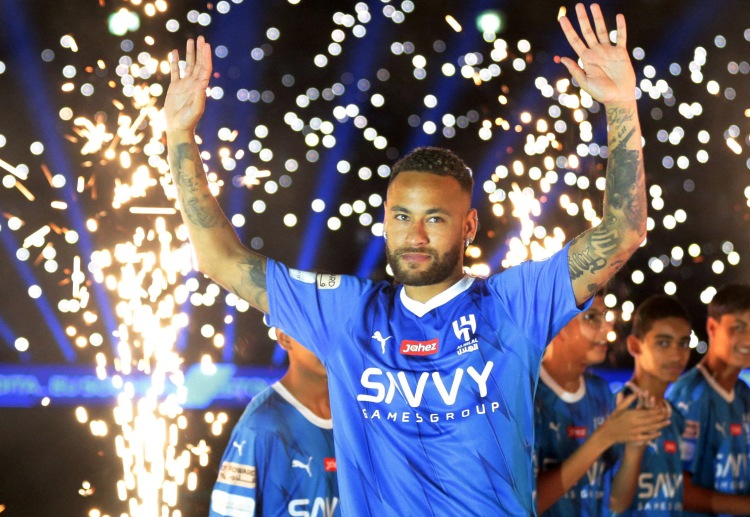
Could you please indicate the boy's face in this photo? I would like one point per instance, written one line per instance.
(585, 337)
(729, 339)
(665, 349)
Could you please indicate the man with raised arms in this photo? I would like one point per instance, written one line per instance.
(431, 378)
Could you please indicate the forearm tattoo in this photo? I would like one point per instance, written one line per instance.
(199, 205)
(598, 251)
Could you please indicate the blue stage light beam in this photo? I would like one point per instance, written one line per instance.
(19, 38)
(46, 310)
(7, 335)
(360, 62)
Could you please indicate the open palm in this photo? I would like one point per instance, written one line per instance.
(186, 96)
(607, 74)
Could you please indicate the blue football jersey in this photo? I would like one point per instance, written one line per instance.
(659, 490)
(563, 422)
(433, 402)
(280, 462)
(715, 442)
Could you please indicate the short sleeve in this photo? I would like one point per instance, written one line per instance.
(693, 420)
(309, 306)
(538, 296)
(237, 488)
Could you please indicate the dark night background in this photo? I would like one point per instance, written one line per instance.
(46, 455)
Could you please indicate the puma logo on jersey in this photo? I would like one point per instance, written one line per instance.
(238, 446)
(382, 340)
(722, 428)
(297, 464)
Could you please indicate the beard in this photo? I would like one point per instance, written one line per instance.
(442, 267)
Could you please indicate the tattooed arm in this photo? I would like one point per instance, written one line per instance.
(607, 75)
(220, 253)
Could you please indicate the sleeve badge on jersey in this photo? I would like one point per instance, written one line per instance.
(307, 277)
(692, 430)
(328, 281)
(237, 474)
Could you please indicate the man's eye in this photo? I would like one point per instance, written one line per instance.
(401, 217)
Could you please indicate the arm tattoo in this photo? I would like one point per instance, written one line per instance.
(200, 215)
(252, 285)
(625, 170)
(199, 206)
(598, 253)
(600, 246)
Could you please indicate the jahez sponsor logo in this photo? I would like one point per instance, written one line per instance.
(670, 446)
(575, 431)
(735, 429)
(409, 347)
(329, 464)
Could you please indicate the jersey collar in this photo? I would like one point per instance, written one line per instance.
(566, 396)
(420, 309)
(726, 395)
(323, 423)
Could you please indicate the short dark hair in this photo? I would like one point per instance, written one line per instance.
(729, 299)
(657, 307)
(435, 160)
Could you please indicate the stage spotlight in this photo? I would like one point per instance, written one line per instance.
(490, 22)
(122, 21)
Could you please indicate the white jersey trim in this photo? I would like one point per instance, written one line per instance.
(566, 396)
(726, 395)
(420, 309)
(323, 423)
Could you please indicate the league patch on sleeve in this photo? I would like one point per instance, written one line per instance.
(307, 277)
(687, 451)
(692, 430)
(232, 505)
(237, 474)
(328, 281)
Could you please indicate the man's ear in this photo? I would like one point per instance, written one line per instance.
(634, 346)
(472, 224)
(283, 340)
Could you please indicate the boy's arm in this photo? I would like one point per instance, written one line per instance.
(622, 425)
(700, 499)
(625, 482)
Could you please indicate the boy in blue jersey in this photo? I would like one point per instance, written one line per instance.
(280, 460)
(716, 407)
(660, 344)
(431, 377)
(578, 424)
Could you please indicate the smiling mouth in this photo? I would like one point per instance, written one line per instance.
(742, 350)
